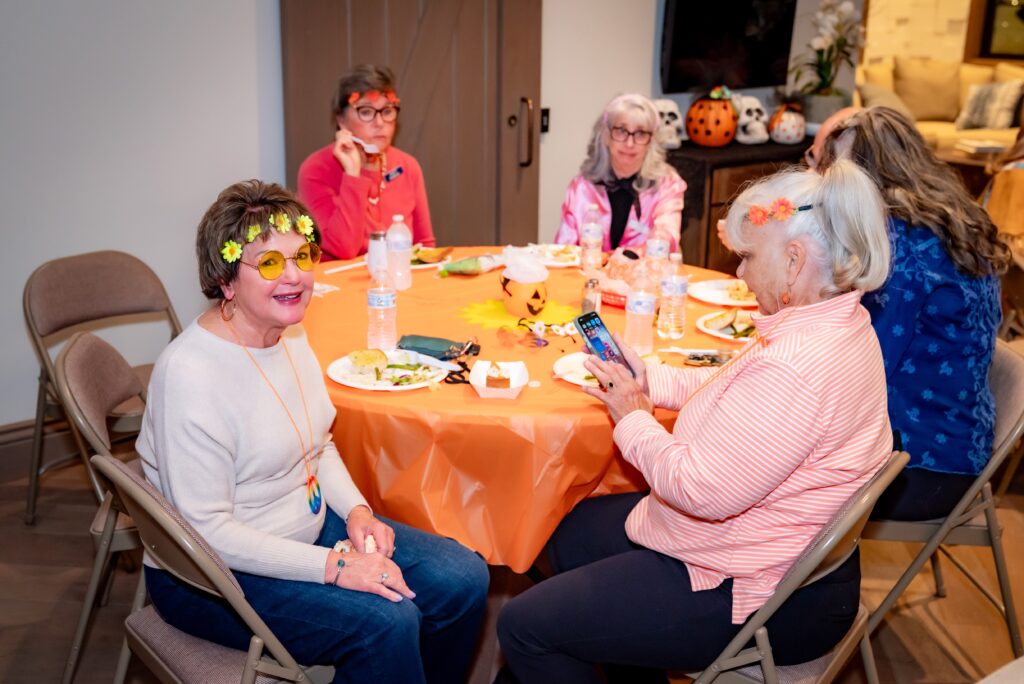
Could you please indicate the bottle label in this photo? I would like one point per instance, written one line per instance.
(380, 300)
(674, 286)
(640, 303)
(657, 248)
(399, 243)
(592, 231)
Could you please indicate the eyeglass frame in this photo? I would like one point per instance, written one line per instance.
(315, 254)
(377, 112)
(627, 134)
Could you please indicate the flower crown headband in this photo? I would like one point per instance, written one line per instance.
(232, 250)
(389, 95)
(780, 210)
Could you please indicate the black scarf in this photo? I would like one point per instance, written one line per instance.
(621, 196)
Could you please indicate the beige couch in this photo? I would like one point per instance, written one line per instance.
(933, 92)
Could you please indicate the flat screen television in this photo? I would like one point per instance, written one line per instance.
(739, 43)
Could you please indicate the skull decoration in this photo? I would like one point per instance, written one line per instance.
(670, 133)
(752, 128)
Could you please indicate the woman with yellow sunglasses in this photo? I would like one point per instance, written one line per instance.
(236, 435)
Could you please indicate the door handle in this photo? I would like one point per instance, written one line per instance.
(529, 131)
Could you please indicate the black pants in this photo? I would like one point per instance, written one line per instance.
(918, 494)
(615, 603)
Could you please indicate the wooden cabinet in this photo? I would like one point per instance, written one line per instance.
(714, 175)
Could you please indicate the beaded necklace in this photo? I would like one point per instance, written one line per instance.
(383, 158)
(313, 497)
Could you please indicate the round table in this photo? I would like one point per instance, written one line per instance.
(498, 475)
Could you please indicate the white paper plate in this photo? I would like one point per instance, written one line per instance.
(716, 292)
(558, 256)
(717, 333)
(570, 368)
(340, 371)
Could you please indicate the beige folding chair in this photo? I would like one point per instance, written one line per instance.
(829, 549)
(173, 544)
(965, 525)
(92, 378)
(96, 288)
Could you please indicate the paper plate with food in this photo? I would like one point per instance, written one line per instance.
(557, 256)
(735, 325)
(429, 257)
(394, 371)
(730, 292)
(570, 368)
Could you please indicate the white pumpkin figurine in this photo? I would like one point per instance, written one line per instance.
(787, 125)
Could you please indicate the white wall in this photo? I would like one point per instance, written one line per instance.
(119, 123)
(924, 28)
(593, 50)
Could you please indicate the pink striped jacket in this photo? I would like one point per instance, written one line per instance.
(764, 455)
(660, 206)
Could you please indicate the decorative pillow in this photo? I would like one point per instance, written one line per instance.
(974, 74)
(929, 87)
(879, 73)
(992, 105)
(872, 95)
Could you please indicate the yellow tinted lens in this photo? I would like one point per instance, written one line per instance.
(303, 258)
(271, 266)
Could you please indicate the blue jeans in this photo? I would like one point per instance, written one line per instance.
(367, 638)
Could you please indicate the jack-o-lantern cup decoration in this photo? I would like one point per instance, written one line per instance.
(787, 125)
(525, 300)
(711, 119)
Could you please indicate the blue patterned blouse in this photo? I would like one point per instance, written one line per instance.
(937, 328)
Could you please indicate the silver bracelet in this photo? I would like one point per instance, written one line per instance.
(341, 564)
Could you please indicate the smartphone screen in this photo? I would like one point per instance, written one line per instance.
(598, 339)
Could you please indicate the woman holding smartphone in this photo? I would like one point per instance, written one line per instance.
(356, 184)
(763, 453)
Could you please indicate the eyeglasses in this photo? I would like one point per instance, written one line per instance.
(388, 113)
(640, 137)
(271, 264)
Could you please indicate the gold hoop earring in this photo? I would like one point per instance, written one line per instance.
(785, 298)
(226, 315)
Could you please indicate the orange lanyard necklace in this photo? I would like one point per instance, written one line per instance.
(313, 497)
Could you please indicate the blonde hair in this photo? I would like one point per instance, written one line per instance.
(597, 167)
(918, 188)
(845, 225)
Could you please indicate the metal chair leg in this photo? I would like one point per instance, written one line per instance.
(37, 452)
(940, 583)
(867, 654)
(126, 654)
(999, 556)
(1010, 471)
(101, 561)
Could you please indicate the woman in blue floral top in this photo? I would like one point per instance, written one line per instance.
(936, 317)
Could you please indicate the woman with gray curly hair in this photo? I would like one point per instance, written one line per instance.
(626, 177)
(765, 450)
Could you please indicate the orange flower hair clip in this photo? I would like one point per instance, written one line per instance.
(389, 95)
(780, 210)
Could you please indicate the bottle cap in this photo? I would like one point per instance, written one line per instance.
(593, 282)
(377, 235)
(398, 218)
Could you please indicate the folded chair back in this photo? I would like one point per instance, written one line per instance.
(833, 544)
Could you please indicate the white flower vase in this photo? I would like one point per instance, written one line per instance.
(817, 108)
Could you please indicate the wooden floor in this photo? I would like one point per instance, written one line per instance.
(44, 571)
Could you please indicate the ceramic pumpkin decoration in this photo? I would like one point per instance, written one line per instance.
(711, 119)
(787, 125)
(524, 300)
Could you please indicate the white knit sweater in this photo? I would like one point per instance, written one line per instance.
(217, 443)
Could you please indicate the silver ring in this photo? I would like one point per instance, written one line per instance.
(383, 577)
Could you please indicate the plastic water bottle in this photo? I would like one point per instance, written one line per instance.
(377, 256)
(656, 251)
(591, 240)
(399, 241)
(382, 315)
(672, 311)
(640, 305)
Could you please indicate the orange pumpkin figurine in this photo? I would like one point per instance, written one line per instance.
(711, 120)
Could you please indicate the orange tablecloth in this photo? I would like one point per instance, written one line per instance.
(497, 475)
